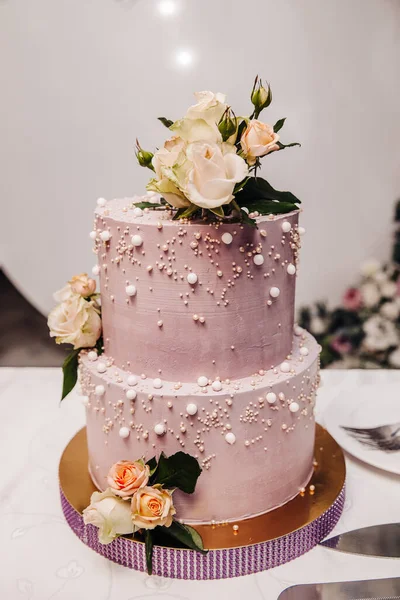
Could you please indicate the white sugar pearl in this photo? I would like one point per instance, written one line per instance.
(159, 429)
(130, 394)
(101, 202)
(271, 397)
(226, 238)
(157, 383)
(95, 270)
(285, 367)
(132, 380)
(286, 226)
(85, 400)
(274, 292)
(230, 438)
(105, 235)
(124, 432)
(93, 235)
(137, 212)
(192, 278)
(291, 269)
(302, 230)
(137, 240)
(258, 260)
(130, 290)
(216, 386)
(246, 210)
(297, 330)
(102, 367)
(202, 381)
(294, 407)
(304, 351)
(100, 390)
(92, 355)
(191, 409)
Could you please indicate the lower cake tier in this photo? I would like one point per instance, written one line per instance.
(253, 437)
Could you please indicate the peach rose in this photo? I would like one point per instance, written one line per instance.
(258, 139)
(82, 285)
(111, 515)
(75, 321)
(152, 507)
(125, 477)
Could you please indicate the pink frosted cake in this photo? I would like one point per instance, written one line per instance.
(189, 358)
(201, 355)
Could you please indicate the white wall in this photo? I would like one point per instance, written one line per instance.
(82, 78)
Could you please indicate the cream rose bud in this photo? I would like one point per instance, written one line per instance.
(258, 139)
(111, 515)
(152, 507)
(75, 321)
(83, 285)
(214, 171)
(126, 477)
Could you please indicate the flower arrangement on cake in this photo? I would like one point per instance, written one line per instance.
(208, 167)
(364, 331)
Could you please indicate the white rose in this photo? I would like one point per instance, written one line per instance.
(64, 294)
(111, 515)
(169, 191)
(370, 294)
(389, 289)
(390, 310)
(75, 321)
(201, 120)
(210, 107)
(258, 139)
(172, 153)
(370, 267)
(380, 334)
(212, 173)
(394, 358)
(193, 130)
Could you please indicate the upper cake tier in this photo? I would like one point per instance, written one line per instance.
(183, 301)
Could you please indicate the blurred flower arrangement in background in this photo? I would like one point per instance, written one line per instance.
(364, 331)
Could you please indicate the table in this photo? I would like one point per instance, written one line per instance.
(41, 559)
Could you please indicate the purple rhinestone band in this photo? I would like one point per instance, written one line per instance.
(217, 564)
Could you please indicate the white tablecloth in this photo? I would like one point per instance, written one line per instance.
(41, 559)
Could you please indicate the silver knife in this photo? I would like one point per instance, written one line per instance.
(378, 540)
(375, 589)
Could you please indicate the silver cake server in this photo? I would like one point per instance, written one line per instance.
(375, 589)
(378, 540)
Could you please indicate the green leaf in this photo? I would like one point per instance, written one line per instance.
(100, 346)
(283, 146)
(268, 207)
(258, 189)
(179, 470)
(244, 217)
(166, 122)
(70, 372)
(152, 464)
(279, 124)
(219, 211)
(147, 205)
(239, 186)
(186, 535)
(186, 212)
(148, 541)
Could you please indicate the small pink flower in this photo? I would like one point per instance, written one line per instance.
(352, 300)
(341, 345)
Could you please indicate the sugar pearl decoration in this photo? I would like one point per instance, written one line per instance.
(258, 260)
(95, 270)
(216, 386)
(294, 407)
(93, 235)
(230, 438)
(101, 202)
(101, 367)
(271, 397)
(286, 226)
(130, 290)
(191, 409)
(157, 383)
(274, 292)
(105, 235)
(159, 429)
(226, 238)
(202, 381)
(246, 210)
(291, 269)
(100, 390)
(302, 230)
(297, 330)
(132, 380)
(137, 212)
(85, 400)
(124, 432)
(304, 351)
(92, 355)
(192, 278)
(137, 240)
(285, 367)
(130, 394)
